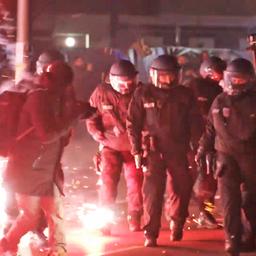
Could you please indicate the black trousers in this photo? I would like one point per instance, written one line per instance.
(113, 162)
(237, 183)
(154, 184)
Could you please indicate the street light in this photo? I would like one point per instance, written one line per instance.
(70, 41)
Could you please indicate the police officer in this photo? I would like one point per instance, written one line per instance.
(46, 57)
(231, 130)
(206, 88)
(164, 116)
(108, 128)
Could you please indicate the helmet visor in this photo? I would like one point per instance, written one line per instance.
(235, 78)
(166, 77)
(163, 79)
(122, 84)
(213, 74)
(235, 83)
(40, 67)
(41, 64)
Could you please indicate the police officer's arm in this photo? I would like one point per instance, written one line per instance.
(195, 120)
(42, 118)
(134, 122)
(206, 142)
(94, 123)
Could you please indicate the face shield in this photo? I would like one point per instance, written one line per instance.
(163, 79)
(56, 76)
(213, 75)
(41, 65)
(122, 84)
(235, 83)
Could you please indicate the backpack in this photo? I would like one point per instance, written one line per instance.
(11, 103)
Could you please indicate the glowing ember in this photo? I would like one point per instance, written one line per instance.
(94, 217)
(3, 217)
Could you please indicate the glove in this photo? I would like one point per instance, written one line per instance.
(98, 136)
(200, 160)
(116, 131)
(210, 163)
(138, 161)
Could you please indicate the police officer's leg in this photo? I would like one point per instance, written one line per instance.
(110, 175)
(180, 193)
(134, 179)
(229, 180)
(111, 164)
(204, 198)
(153, 194)
(248, 190)
(207, 190)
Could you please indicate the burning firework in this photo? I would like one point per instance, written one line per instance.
(94, 217)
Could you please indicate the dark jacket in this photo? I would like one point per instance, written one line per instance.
(231, 125)
(110, 118)
(205, 91)
(171, 117)
(34, 161)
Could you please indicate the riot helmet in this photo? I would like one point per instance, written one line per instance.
(46, 58)
(59, 75)
(164, 71)
(212, 68)
(122, 76)
(238, 77)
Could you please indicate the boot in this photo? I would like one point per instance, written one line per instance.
(207, 220)
(150, 242)
(247, 244)
(58, 251)
(232, 246)
(176, 228)
(134, 222)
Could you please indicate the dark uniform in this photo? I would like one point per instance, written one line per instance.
(205, 91)
(108, 128)
(170, 119)
(231, 131)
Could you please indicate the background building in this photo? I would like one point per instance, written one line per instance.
(193, 23)
(78, 25)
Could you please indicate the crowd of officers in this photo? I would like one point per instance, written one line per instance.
(165, 136)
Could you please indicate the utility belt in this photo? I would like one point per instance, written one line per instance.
(152, 158)
(97, 160)
(209, 166)
(149, 144)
